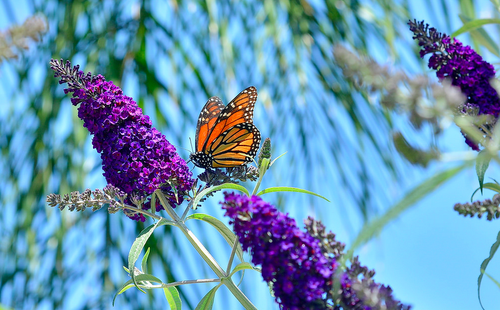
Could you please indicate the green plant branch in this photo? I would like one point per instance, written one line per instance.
(207, 257)
(231, 257)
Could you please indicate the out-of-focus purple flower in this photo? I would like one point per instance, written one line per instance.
(136, 157)
(463, 66)
(291, 259)
(354, 287)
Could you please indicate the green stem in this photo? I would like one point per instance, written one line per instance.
(231, 257)
(262, 170)
(207, 257)
(164, 285)
(128, 207)
(183, 217)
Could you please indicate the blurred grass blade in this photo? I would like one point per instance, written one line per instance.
(427, 186)
(474, 24)
(481, 37)
(484, 265)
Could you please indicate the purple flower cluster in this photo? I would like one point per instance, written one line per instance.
(302, 266)
(463, 66)
(136, 157)
(291, 259)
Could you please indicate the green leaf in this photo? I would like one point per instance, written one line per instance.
(496, 3)
(493, 186)
(206, 191)
(288, 189)
(226, 233)
(173, 298)
(139, 278)
(419, 192)
(466, 123)
(482, 162)
(474, 24)
(484, 264)
(481, 36)
(153, 202)
(144, 263)
(244, 266)
(474, 194)
(207, 301)
(138, 245)
(123, 289)
(276, 159)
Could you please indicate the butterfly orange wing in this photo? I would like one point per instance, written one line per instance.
(225, 135)
(238, 111)
(206, 121)
(236, 146)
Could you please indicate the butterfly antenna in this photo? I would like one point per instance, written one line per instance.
(180, 147)
(191, 142)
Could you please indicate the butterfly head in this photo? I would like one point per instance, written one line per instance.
(202, 160)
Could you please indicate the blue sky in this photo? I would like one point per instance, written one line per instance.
(430, 255)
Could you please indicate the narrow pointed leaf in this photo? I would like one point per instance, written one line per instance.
(493, 186)
(226, 233)
(474, 24)
(427, 186)
(288, 189)
(124, 288)
(129, 284)
(482, 162)
(207, 301)
(484, 265)
(482, 37)
(473, 194)
(276, 159)
(153, 202)
(206, 191)
(244, 266)
(144, 263)
(138, 245)
(173, 298)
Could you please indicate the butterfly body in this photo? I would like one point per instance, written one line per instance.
(225, 135)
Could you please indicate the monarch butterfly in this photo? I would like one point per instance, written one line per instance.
(225, 135)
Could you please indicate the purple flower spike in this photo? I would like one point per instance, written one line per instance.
(463, 66)
(302, 266)
(291, 259)
(136, 157)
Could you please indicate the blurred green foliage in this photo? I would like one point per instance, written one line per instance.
(173, 56)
